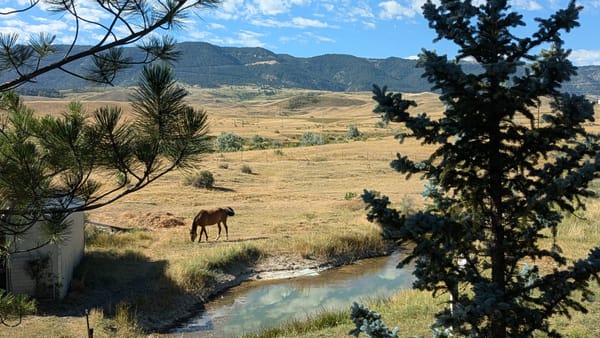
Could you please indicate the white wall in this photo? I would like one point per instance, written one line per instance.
(64, 257)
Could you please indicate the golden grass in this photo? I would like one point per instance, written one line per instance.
(294, 203)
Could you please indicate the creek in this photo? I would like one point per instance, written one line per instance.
(269, 303)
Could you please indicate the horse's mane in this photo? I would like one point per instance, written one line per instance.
(229, 211)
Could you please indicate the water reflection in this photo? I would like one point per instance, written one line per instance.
(255, 305)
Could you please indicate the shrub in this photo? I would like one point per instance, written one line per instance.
(246, 169)
(312, 139)
(353, 133)
(380, 124)
(229, 142)
(259, 142)
(202, 179)
(350, 195)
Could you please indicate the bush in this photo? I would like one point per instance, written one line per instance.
(229, 142)
(350, 195)
(246, 169)
(312, 139)
(352, 133)
(203, 179)
(259, 142)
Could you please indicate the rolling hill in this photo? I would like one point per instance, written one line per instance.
(205, 65)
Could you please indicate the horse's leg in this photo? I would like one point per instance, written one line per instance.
(226, 230)
(205, 234)
(219, 226)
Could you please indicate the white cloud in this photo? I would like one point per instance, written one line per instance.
(369, 25)
(297, 22)
(528, 5)
(25, 30)
(361, 10)
(246, 38)
(394, 10)
(303, 23)
(585, 57)
(214, 25)
(319, 38)
(275, 7)
(592, 3)
(306, 38)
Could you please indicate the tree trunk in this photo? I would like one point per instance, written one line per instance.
(498, 324)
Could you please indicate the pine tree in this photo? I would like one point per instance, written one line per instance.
(48, 165)
(496, 186)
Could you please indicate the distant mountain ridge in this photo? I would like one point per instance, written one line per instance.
(206, 65)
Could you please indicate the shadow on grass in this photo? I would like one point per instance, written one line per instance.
(106, 280)
(222, 189)
(239, 240)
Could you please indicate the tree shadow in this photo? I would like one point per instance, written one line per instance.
(112, 282)
(238, 240)
(222, 189)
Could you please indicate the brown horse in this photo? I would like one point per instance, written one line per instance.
(210, 217)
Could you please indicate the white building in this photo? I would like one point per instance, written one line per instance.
(45, 272)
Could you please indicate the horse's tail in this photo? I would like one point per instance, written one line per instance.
(229, 211)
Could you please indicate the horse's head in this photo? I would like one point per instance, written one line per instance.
(193, 235)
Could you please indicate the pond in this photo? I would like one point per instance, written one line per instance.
(260, 304)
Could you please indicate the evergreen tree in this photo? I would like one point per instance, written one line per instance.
(496, 186)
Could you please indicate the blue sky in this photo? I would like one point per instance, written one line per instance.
(305, 28)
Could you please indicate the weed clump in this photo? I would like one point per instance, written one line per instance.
(246, 169)
(203, 179)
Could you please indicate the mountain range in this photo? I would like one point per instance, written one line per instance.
(206, 65)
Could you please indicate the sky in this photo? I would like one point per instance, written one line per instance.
(306, 28)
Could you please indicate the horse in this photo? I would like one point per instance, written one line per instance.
(210, 217)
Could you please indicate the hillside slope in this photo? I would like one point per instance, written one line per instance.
(205, 65)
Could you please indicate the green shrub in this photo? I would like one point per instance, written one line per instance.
(312, 139)
(380, 124)
(203, 179)
(229, 142)
(259, 142)
(353, 133)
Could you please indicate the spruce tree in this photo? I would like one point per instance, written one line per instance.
(496, 186)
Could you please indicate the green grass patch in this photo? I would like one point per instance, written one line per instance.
(300, 328)
(96, 238)
(346, 248)
(200, 271)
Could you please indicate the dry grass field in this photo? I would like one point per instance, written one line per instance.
(297, 205)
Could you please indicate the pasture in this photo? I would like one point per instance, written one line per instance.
(296, 206)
